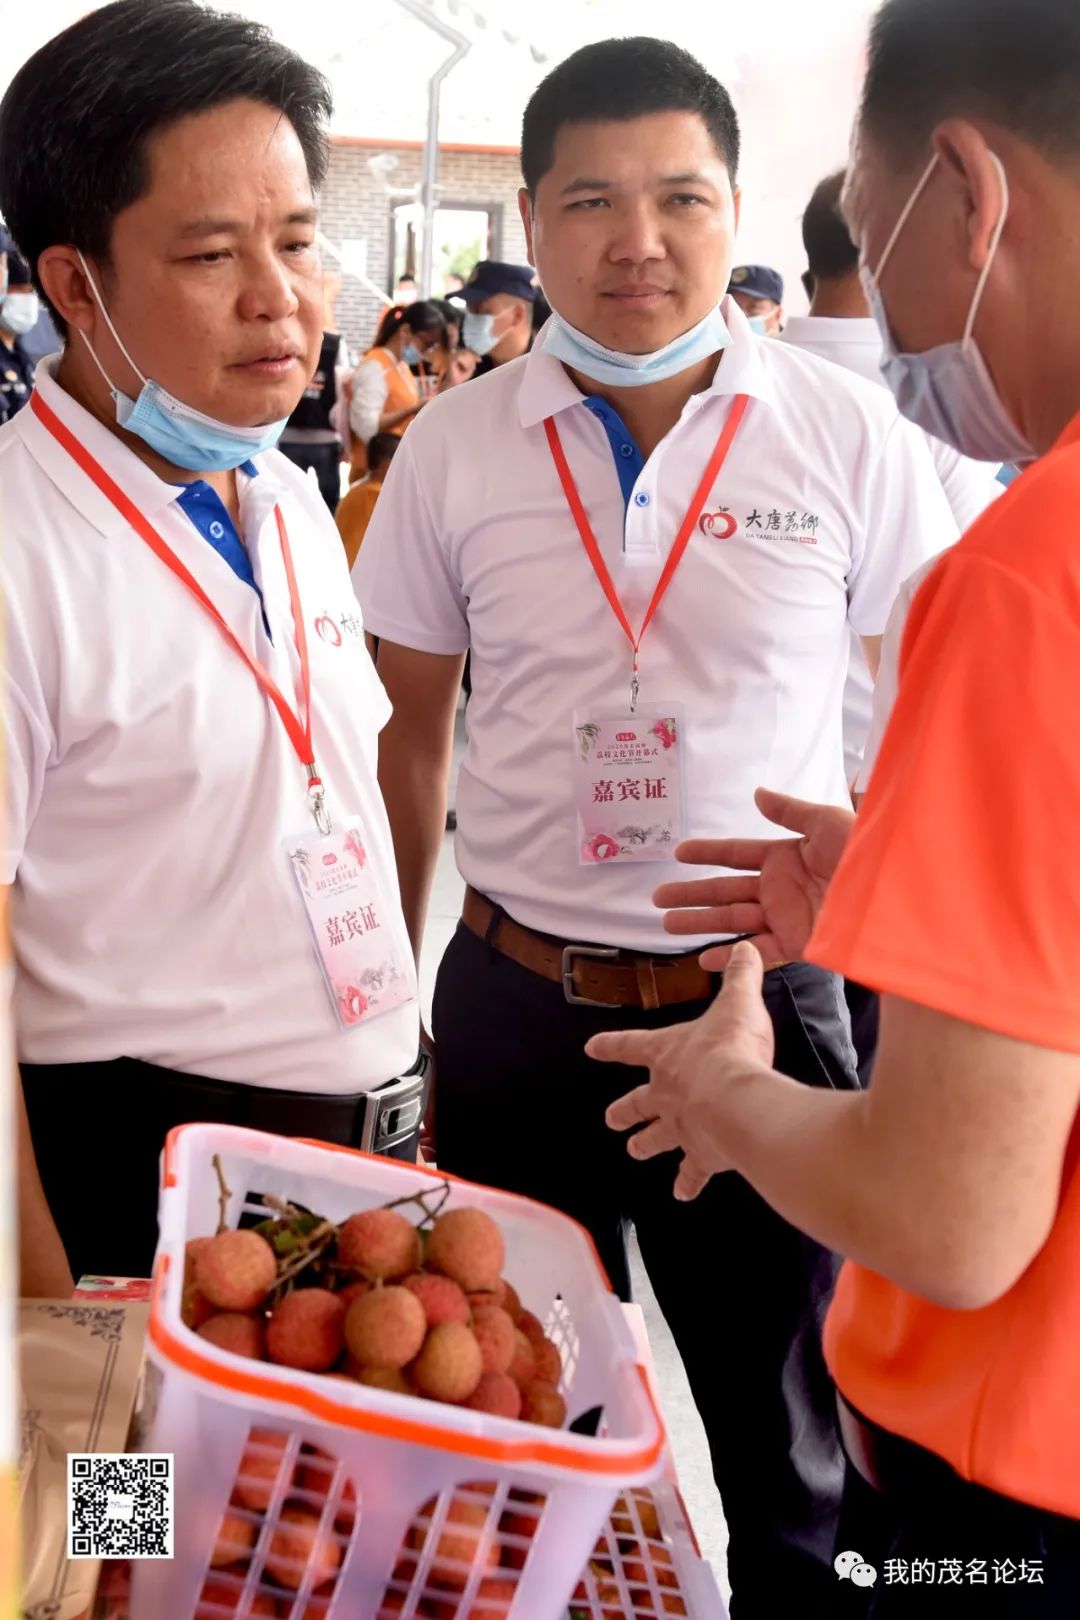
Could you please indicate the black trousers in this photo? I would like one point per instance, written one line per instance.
(99, 1128)
(950, 1548)
(519, 1106)
(325, 459)
(864, 1010)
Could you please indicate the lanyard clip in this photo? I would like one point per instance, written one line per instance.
(317, 796)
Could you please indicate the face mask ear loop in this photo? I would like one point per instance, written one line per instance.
(999, 229)
(108, 322)
(904, 216)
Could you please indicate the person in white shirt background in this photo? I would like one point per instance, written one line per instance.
(841, 329)
(163, 748)
(649, 449)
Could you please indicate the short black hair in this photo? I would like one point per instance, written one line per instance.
(76, 118)
(1011, 63)
(619, 79)
(830, 252)
(381, 449)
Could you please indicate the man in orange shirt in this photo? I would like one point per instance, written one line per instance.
(953, 1185)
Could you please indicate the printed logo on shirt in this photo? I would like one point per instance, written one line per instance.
(332, 630)
(720, 525)
(795, 527)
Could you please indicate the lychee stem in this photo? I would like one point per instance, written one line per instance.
(224, 1193)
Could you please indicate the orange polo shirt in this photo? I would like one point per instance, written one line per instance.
(960, 890)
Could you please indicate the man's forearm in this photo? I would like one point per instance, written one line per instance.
(414, 788)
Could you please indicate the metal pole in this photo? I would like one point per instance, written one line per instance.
(431, 147)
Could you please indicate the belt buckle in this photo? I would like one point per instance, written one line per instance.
(606, 952)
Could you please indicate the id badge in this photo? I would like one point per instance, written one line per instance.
(366, 968)
(629, 787)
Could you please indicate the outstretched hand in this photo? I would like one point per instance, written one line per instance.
(779, 898)
(693, 1069)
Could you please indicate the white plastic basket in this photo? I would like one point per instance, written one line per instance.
(396, 1453)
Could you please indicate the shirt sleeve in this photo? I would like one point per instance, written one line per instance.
(369, 391)
(960, 888)
(907, 520)
(969, 485)
(887, 683)
(403, 576)
(28, 746)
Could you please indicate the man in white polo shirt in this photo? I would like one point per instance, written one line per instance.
(652, 476)
(203, 901)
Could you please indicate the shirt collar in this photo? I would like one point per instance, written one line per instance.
(151, 494)
(832, 329)
(546, 388)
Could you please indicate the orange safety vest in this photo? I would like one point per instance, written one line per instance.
(402, 390)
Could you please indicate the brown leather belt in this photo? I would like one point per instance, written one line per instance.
(591, 975)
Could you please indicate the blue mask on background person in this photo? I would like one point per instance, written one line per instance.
(19, 313)
(948, 390)
(186, 437)
(757, 325)
(478, 333)
(411, 355)
(603, 365)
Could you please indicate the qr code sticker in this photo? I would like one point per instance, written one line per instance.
(120, 1505)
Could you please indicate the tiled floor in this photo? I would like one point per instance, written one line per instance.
(684, 1425)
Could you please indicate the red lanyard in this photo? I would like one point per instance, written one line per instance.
(299, 732)
(682, 539)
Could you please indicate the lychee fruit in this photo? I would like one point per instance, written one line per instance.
(548, 1360)
(235, 1538)
(522, 1368)
(307, 1330)
(259, 1469)
(386, 1328)
(480, 1298)
(466, 1539)
(442, 1299)
(449, 1366)
(239, 1331)
(496, 1394)
(379, 1243)
(492, 1601)
(541, 1403)
(494, 1333)
(388, 1378)
(298, 1545)
(236, 1270)
(318, 1475)
(220, 1599)
(511, 1303)
(467, 1245)
(194, 1305)
(530, 1326)
(354, 1290)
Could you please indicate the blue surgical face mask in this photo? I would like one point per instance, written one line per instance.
(178, 432)
(478, 333)
(757, 325)
(411, 355)
(19, 313)
(603, 365)
(948, 390)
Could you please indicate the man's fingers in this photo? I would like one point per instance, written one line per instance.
(631, 1046)
(740, 854)
(659, 1137)
(690, 1181)
(797, 815)
(719, 891)
(740, 919)
(636, 1108)
(717, 957)
(743, 979)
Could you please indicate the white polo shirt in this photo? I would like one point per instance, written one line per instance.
(150, 782)
(969, 487)
(472, 545)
